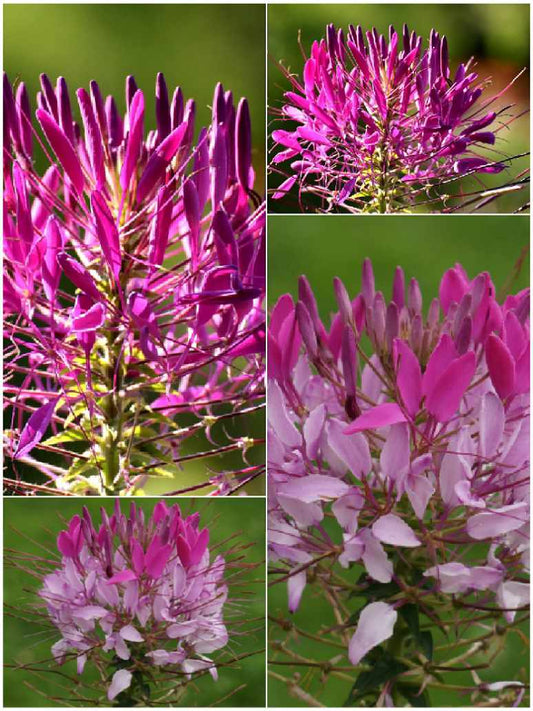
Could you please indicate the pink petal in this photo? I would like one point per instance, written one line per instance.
(159, 161)
(391, 529)
(444, 398)
(376, 562)
(35, 428)
(515, 337)
(353, 451)
(492, 524)
(295, 587)
(501, 366)
(408, 375)
(453, 470)
(455, 577)
(50, 271)
(395, 455)
(156, 558)
(160, 512)
(78, 275)
(491, 423)
(419, 490)
(137, 556)
(380, 416)
(120, 682)
(376, 624)
(63, 149)
(309, 134)
(284, 188)
(107, 233)
(134, 140)
(130, 634)
(312, 430)
(123, 577)
(522, 370)
(443, 355)
(315, 487)
(89, 612)
(65, 545)
(453, 287)
(89, 320)
(284, 334)
(304, 513)
(512, 594)
(346, 510)
(200, 546)
(80, 663)
(278, 417)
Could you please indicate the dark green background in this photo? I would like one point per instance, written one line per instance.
(496, 35)
(326, 246)
(195, 46)
(28, 521)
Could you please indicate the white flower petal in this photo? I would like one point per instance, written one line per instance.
(121, 680)
(391, 529)
(376, 624)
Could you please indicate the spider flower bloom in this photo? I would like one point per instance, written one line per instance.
(135, 594)
(374, 123)
(133, 282)
(409, 430)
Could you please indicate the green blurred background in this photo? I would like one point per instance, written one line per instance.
(322, 247)
(195, 46)
(497, 35)
(28, 523)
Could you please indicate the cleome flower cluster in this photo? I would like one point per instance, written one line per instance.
(376, 122)
(134, 273)
(398, 439)
(137, 595)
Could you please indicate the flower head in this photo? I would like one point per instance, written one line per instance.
(139, 593)
(399, 440)
(133, 277)
(376, 122)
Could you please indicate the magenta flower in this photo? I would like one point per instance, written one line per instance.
(134, 274)
(380, 124)
(136, 596)
(399, 442)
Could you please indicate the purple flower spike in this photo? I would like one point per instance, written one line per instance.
(375, 123)
(134, 274)
(63, 150)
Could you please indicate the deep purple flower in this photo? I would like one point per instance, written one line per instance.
(376, 122)
(134, 270)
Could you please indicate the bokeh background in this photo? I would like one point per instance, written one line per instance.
(322, 247)
(497, 35)
(31, 524)
(195, 46)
